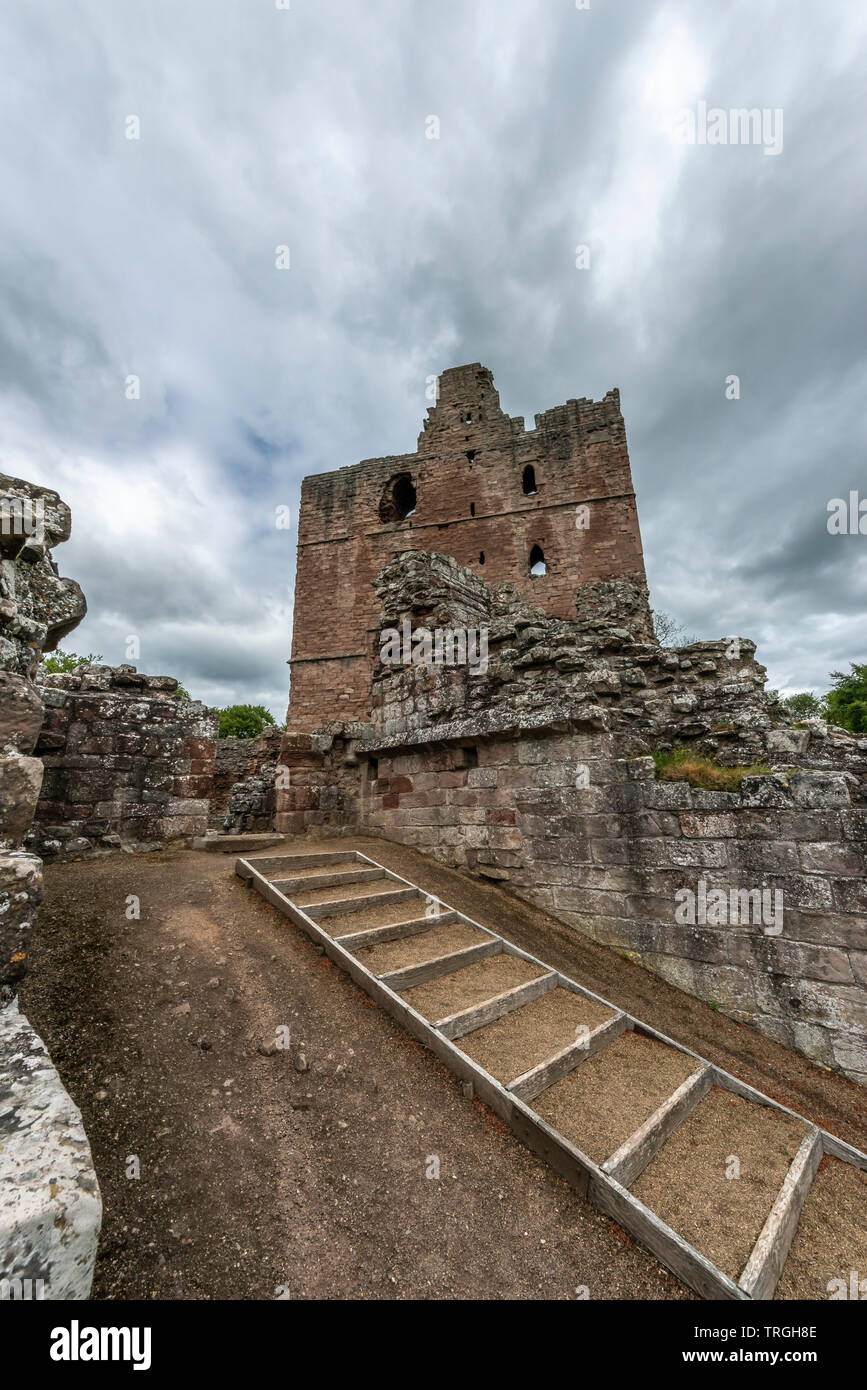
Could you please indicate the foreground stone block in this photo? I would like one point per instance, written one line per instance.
(50, 1205)
(20, 897)
(20, 781)
(21, 714)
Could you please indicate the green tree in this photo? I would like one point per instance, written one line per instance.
(806, 705)
(244, 721)
(846, 701)
(61, 663)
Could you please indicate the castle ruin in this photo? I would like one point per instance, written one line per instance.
(536, 768)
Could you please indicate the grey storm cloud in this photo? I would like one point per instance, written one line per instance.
(306, 127)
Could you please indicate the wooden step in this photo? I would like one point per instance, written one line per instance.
(284, 864)
(634, 1154)
(339, 906)
(519, 1041)
(413, 975)
(394, 931)
(470, 1020)
(717, 1180)
(324, 878)
(382, 958)
(828, 1255)
(542, 1077)
(765, 1265)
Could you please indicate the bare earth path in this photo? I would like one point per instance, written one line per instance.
(257, 1176)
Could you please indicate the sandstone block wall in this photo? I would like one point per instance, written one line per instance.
(611, 858)
(127, 764)
(468, 479)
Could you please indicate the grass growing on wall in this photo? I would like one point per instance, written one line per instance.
(680, 765)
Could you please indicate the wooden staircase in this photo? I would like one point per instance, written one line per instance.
(634, 1121)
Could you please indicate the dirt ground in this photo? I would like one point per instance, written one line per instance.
(256, 1178)
(831, 1239)
(310, 1171)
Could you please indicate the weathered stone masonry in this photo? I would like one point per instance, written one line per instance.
(243, 791)
(50, 1207)
(127, 763)
(536, 772)
(37, 609)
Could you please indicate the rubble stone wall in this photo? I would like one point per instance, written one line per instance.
(127, 763)
(238, 769)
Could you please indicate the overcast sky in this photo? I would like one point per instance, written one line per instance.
(307, 127)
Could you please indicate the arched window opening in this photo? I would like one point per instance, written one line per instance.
(528, 482)
(399, 499)
(537, 561)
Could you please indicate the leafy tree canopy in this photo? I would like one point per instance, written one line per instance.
(244, 721)
(846, 701)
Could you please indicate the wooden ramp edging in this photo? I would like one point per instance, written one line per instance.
(606, 1185)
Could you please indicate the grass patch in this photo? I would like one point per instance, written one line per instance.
(680, 765)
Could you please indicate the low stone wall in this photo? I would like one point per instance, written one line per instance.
(649, 867)
(127, 763)
(635, 863)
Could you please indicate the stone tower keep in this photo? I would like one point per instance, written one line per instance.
(480, 488)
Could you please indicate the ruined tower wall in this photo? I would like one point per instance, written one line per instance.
(468, 476)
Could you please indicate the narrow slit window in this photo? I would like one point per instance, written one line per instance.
(528, 482)
(481, 557)
(537, 561)
(472, 509)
